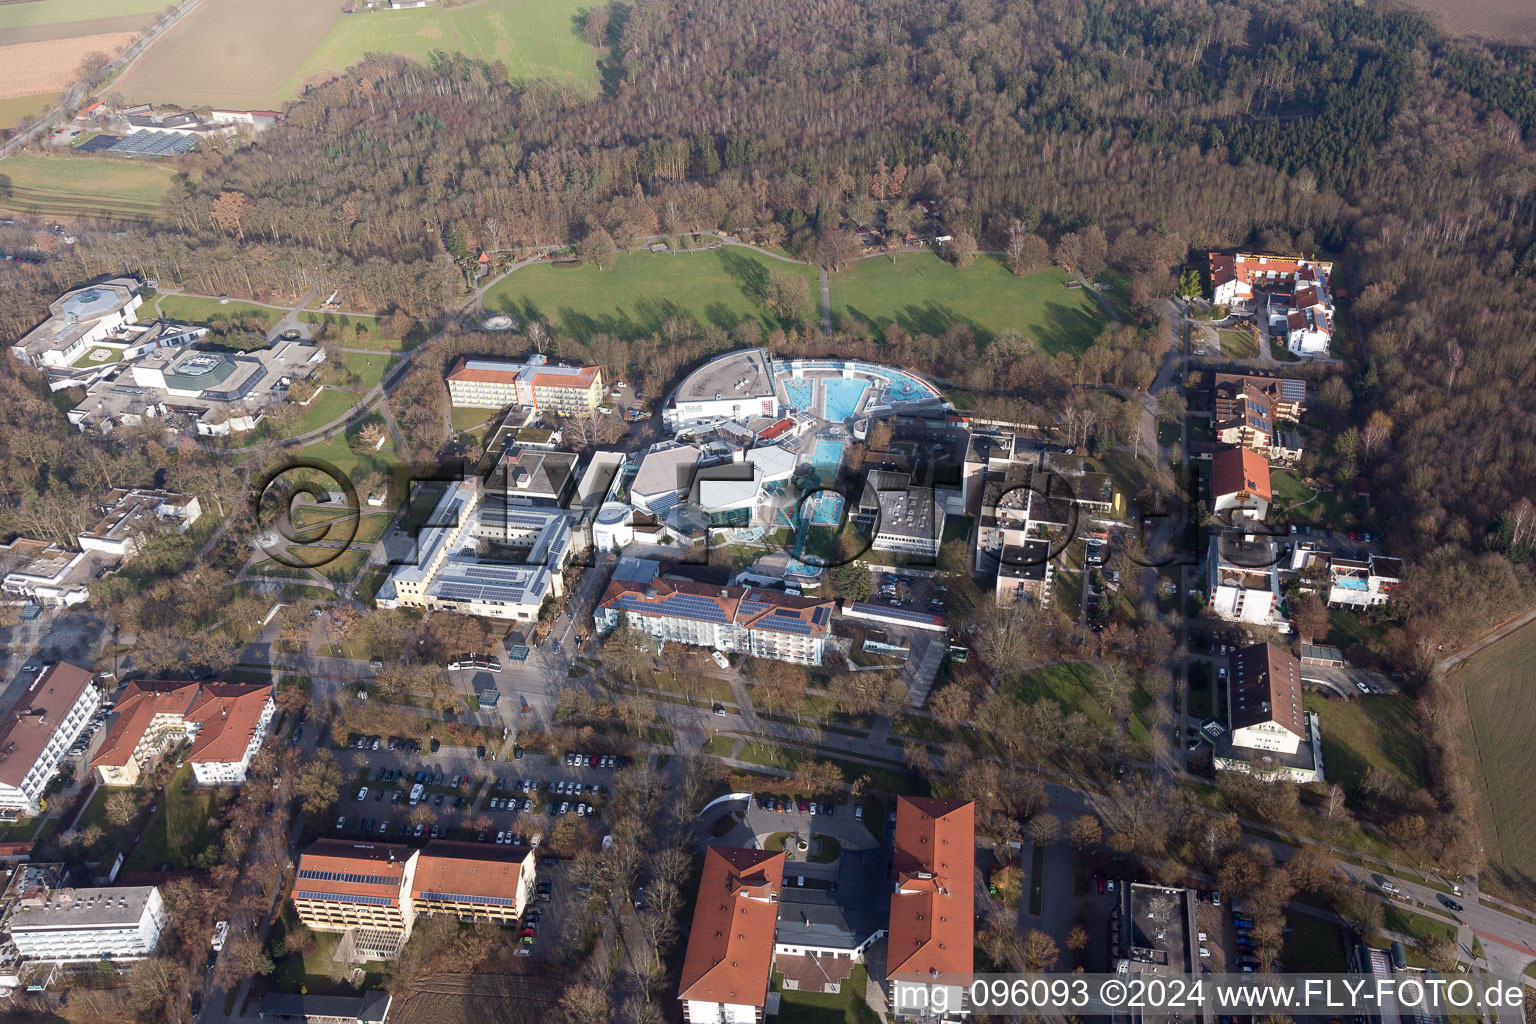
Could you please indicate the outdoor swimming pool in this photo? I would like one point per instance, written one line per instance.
(823, 508)
(842, 396)
(827, 454)
(799, 394)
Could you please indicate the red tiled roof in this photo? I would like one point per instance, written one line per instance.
(756, 609)
(932, 924)
(583, 379)
(1239, 471)
(135, 709)
(730, 944)
(31, 721)
(343, 868)
(468, 869)
(229, 714)
(1266, 687)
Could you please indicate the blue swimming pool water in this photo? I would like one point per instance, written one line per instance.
(827, 454)
(798, 394)
(842, 396)
(823, 508)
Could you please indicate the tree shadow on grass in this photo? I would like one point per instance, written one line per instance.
(750, 275)
(1069, 329)
(649, 317)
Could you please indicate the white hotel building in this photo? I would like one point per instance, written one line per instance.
(87, 925)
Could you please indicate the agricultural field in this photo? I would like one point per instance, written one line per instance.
(62, 17)
(48, 65)
(1505, 21)
(1498, 686)
(922, 293)
(221, 56)
(65, 186)
(642, 291)
(15, 108)
(533, 38)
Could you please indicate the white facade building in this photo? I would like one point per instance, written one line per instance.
(87, 925)
(43, 723)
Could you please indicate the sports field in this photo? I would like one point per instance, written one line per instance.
(1498, 686)
(642, 291)
(85, 186)
(924, 294)
(533, 38)
(225, 55)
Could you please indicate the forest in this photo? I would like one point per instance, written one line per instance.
(1113, 133)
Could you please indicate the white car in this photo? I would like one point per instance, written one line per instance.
(362, 794)
(565, 807)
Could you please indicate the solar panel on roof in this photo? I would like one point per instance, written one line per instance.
(665, 502)
(906, 614)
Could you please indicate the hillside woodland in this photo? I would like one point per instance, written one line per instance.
(1129, 135)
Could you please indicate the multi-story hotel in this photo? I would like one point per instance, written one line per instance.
(932, 925)
(225, 722)
(760, 623)
(373, 892)
(534, 382)
(88, 925)
(43, 723)
(473, 883)
(730, 944)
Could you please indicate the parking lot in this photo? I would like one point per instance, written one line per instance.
(902, 589)
(462, 797)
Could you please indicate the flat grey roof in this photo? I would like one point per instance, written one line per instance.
(85, 908)
(749, 368)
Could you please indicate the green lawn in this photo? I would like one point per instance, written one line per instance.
(370, 369)
(358, 331)
(847, 1006)
(469, 419)
(330, 561)
(924, 294)
(1238, 344)
(332, 403)
(199, 309)
(1419, 926)
(1374, 731)
(532, 38)
(1313, 945)
(82, 184)
(642, 291)
(1071, 685)
(183, 825)
(334, 450)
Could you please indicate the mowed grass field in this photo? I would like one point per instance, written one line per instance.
(1498, 686)
(230, 54)
(1372, 732)
(533, 38)
(923, 294)
(68, 185)
(642, 291)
